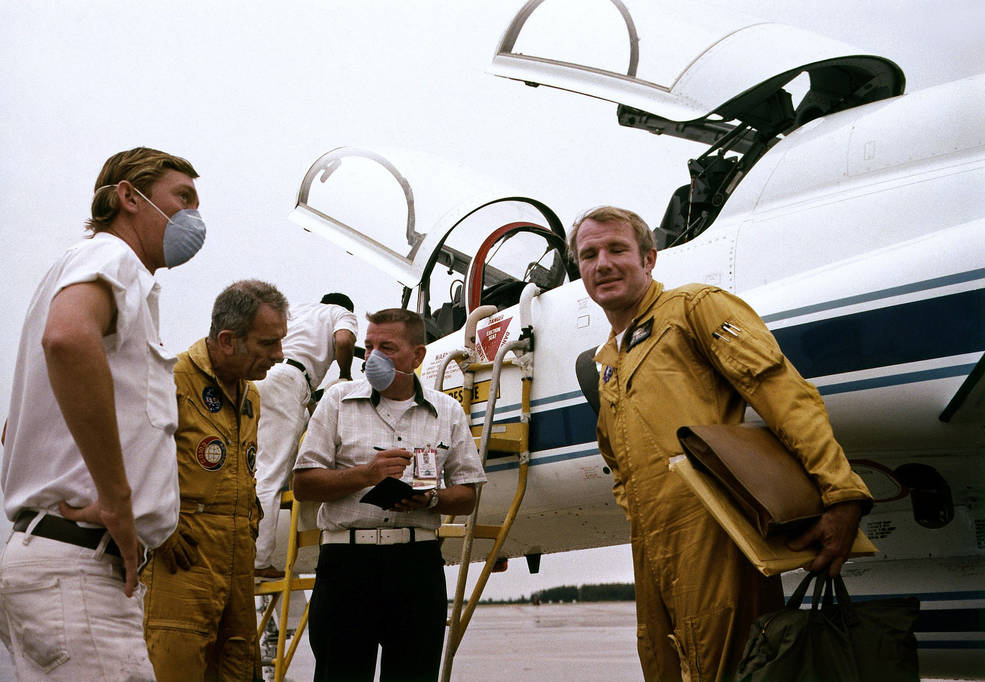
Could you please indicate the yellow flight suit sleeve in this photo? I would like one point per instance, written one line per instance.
(734, 338)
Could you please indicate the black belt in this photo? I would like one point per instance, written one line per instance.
(56, 528)
(300, 367)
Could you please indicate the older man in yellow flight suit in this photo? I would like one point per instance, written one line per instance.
(199, 614)
(689, 356)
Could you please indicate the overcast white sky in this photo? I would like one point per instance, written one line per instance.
(252, 93)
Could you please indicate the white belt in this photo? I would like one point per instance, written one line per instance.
(377, 536)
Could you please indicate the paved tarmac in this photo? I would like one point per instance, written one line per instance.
(583, 642)
(564, 642)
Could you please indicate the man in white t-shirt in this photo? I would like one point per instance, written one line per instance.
(89, 474)
(317, 335)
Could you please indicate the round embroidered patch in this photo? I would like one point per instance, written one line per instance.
(212, 397)
(251, 457)
(211, 453)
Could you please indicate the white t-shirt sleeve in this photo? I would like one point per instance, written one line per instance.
(345, 320)
(105, 262)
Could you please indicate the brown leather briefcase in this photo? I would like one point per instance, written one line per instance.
(769, 484)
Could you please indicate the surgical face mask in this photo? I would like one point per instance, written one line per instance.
(183, 236)
(380, 371)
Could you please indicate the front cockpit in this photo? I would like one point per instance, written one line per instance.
(455, 238)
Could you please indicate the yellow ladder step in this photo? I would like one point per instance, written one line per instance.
(509, 437)
(487, 532)
(276, 586)
(458, 530)
(451, 530)
(286, 499)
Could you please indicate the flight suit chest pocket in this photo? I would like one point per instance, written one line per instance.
(208, 416)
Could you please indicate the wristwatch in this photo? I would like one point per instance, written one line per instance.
(433, 500)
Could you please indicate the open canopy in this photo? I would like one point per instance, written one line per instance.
(703, 72)
(737, 88)
(423, 220)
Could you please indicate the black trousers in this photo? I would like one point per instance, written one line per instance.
(369, 596)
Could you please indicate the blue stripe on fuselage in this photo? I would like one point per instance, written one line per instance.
(912, 287)
(895, 335)
(910, 332)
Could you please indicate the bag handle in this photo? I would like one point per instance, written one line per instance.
(797, 598)
(845, 605)
(843, 598)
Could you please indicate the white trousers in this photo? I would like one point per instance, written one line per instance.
(64, 615)
(284, 396)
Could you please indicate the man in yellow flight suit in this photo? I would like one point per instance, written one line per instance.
(690, 356)
(199, 613)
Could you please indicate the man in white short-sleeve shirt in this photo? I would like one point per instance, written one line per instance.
(380, 580)
(317, 335)
(89, 473)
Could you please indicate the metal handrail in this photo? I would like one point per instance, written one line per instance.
(459, 621)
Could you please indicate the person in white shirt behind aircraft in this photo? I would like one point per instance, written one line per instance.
(317, 335)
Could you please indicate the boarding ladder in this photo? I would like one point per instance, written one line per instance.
(280, 590)
(507, 437)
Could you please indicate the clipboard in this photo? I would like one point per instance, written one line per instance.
(769, 555)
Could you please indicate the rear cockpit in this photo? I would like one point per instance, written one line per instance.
(680, 78)
(743, 129)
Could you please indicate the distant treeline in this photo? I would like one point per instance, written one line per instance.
(572, 593)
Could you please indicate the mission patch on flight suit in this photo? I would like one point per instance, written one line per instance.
(211, 453)
(212, 397)
(251, 457)
(639, 334)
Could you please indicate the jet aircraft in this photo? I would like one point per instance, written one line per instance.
(850, 215)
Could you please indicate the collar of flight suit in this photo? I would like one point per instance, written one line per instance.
(199, 355)
(608, 355)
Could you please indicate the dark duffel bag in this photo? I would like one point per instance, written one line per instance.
(835, 640)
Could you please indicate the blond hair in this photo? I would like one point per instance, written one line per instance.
(141, 167)
(612, 214)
